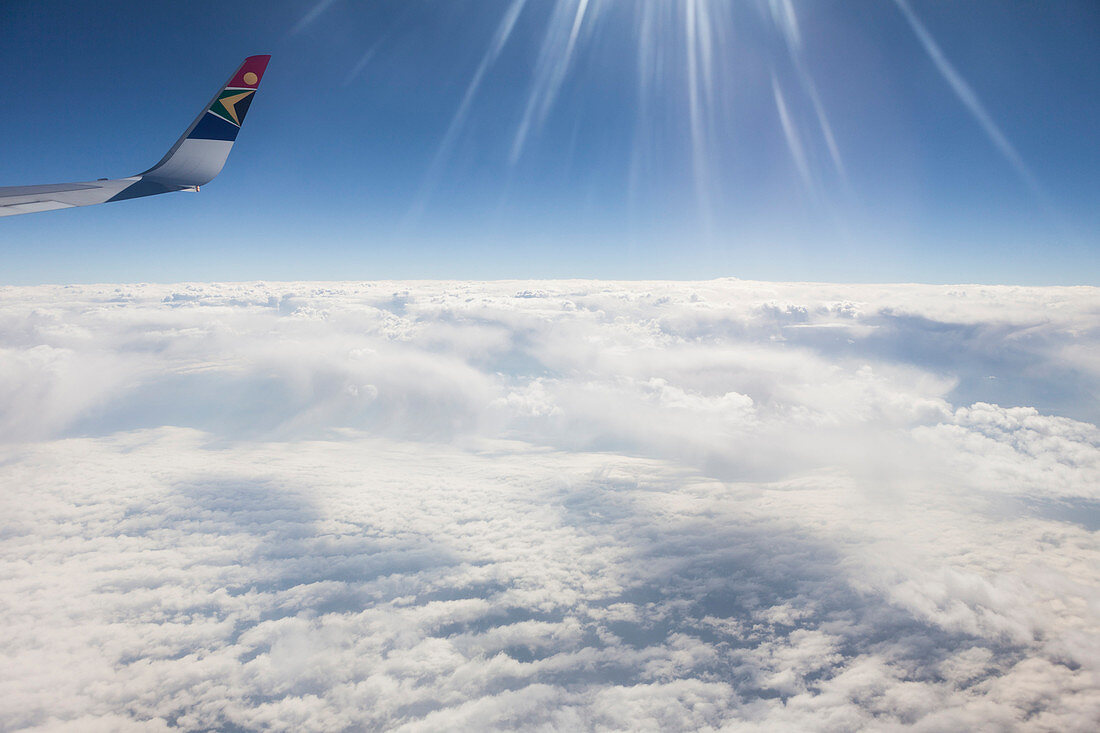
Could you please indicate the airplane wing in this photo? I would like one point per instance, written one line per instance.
(193, 161)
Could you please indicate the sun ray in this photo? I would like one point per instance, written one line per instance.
(794, 142)
(786, 18)
(372, 51)
(313, 14)
(554, 62)
(969, 98)
(700, 73)
(458, 121)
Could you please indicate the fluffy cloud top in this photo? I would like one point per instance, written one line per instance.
(555, 505)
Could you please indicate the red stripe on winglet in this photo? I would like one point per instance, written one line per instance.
(252, 65)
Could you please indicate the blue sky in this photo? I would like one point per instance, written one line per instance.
(869, 141)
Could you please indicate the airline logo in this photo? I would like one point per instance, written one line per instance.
(223, 120)
(232, 104)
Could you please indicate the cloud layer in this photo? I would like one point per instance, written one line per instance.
(552, 505)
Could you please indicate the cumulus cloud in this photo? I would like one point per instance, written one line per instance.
(555, 505)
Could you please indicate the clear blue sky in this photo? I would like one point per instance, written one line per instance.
(825, 140)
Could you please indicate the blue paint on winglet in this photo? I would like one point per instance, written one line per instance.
(212, 127)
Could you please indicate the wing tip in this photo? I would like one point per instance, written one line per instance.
(250, 73)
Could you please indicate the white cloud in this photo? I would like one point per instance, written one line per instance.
(555, 505)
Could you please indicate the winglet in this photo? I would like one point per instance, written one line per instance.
(193, 161)
(201, 152)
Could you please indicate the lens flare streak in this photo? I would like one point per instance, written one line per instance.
(686, 75)
(555, 58)
(458, 121)
(697, 74)
(969, 98)
(794, 143)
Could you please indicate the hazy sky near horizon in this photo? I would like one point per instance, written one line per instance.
(896, 140)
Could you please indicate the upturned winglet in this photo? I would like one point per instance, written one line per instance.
(201, 152)
(193, 161)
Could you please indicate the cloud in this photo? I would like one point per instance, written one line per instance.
(558, 505)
